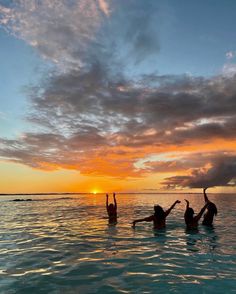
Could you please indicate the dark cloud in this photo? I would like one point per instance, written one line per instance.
(176, 115)
(92, 115)
(220, 172)
(84, 113)
(167, 166)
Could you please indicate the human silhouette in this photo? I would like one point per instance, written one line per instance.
(191, 220)
(211, 211)
(112, 210)
(159, 216)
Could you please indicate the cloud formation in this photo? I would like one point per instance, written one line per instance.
(100, 126)
(60, 31)
(77, 34)
(177, 111)
(230, 54)
(93, 115)
(220, 171)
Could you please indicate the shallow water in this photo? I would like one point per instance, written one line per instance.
(59, 244)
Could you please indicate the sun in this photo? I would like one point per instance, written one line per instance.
(94, 192)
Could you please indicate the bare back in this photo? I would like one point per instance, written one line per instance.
(157, 222)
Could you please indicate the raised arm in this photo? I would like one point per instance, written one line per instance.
(205, 195)
(146, 219)
(198, 216)
(114, 197)
(187, 203)
(107, 201)
(172, 206)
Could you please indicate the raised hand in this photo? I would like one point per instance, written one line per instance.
(205, 195)
(177, 201)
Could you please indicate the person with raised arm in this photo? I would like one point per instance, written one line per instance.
(211, 211)
(112, 209)
(159, 216)
(191, 220)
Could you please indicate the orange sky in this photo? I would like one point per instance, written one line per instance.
(18, 178)
(100, 96)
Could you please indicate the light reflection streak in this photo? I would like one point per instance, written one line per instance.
(71, 239)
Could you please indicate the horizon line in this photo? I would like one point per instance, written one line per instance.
(87, 193)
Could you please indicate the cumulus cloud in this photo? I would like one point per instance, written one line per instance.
(85, 151)
(172, 113)
(219, 171)
(197, 170)
(87, 116)
(93, 116)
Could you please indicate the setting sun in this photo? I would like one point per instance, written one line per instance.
(95, 191)
(117, 146)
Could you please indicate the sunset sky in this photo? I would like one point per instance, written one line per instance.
(117, 95)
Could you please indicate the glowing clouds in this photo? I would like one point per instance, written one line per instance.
(104, 7)
(220, 171)
(93, 114)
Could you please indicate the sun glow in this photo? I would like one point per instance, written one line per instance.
(94, 192)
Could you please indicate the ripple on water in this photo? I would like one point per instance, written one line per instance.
(67, 246)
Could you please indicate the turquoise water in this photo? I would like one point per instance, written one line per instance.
(56, 245)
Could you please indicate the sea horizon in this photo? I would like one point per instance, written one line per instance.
(104, 193)
(68, 244)
(117, 146)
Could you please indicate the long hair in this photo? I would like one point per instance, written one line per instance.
(188, 216)
(159, 212)
(212, 208)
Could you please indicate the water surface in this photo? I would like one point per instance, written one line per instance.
(58, 244)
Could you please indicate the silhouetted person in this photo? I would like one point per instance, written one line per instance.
(211, 211)
(112, 210)
(159, 216)
(191, 220)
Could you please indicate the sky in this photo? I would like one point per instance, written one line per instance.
(117, 95)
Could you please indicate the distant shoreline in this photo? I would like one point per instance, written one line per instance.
(36, 194)
(86, 193)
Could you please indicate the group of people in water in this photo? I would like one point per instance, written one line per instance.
(159, 216)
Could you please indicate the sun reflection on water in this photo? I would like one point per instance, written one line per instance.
(71, 241)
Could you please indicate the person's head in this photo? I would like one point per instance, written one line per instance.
(159, 212)
(188, 216)
(212, 208)
(111, 207)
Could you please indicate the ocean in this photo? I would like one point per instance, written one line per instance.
(64, 244)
